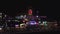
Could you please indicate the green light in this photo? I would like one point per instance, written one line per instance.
(45, 23)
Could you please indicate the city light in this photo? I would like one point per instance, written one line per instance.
(0, 16)
(32, 23)
(16, 20)
(45, 23)
(39, 21)
(9, 20)
(43, 16)
(5, 15)
(26, 22)
(23, 25)
(0, 28)
(24, 16)
(21, 16)
(17, 26)
(30, 11)
(37, 16)
(26, 19)
(17, 17)
(0, 13)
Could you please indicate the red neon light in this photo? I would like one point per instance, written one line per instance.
(30, 12)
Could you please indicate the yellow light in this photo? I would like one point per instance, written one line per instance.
(23, 25)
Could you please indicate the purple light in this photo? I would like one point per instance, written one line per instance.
(32, 23)
(16, 25)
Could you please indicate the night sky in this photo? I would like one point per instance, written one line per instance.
(18, 6)
(13, 8)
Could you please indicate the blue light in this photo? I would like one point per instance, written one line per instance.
(32, 23)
